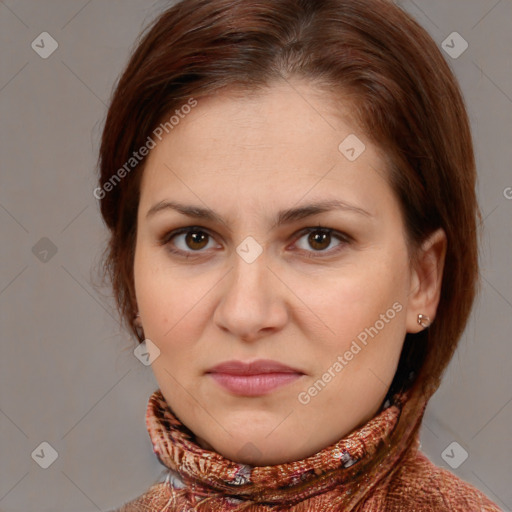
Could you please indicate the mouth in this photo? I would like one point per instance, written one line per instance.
(254, 378)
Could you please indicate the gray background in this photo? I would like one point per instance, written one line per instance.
(68, 375)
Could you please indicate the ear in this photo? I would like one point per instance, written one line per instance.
(426, 279)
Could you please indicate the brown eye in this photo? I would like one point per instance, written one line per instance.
(191, 241)
(186, 241)
(196, 239)
(319, 240)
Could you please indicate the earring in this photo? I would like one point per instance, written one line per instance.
(138, 327)
(424, 320)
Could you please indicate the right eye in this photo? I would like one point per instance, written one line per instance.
(186, 241)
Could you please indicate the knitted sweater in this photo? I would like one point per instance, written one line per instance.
(376, 468)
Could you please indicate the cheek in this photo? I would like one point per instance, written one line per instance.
(174, 306)
(160, 296)
(353, 299)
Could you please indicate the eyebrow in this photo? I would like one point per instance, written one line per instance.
(283, 217)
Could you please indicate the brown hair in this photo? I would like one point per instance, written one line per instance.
(403, 92)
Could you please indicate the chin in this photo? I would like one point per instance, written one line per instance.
(258, 450)
(251, 454)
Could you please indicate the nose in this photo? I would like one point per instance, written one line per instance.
(253, 302)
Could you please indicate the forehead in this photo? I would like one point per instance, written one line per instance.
(283, 141)
(281, 116)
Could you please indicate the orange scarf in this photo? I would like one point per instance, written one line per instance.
(374, 469)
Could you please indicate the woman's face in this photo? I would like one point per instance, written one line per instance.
(322, 291)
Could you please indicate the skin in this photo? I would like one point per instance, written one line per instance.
(246, 158)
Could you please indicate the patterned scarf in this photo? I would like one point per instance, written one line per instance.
(336, 478)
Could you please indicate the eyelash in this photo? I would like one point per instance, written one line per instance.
(345, 239)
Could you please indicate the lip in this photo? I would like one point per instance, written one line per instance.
(254, 378)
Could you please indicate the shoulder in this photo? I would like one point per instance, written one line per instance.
(422, 486)
(155, 498)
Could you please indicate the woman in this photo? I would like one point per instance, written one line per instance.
(290, 189)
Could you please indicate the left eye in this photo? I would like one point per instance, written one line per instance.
(320, 238)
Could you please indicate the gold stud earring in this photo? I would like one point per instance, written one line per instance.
(424, 320)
